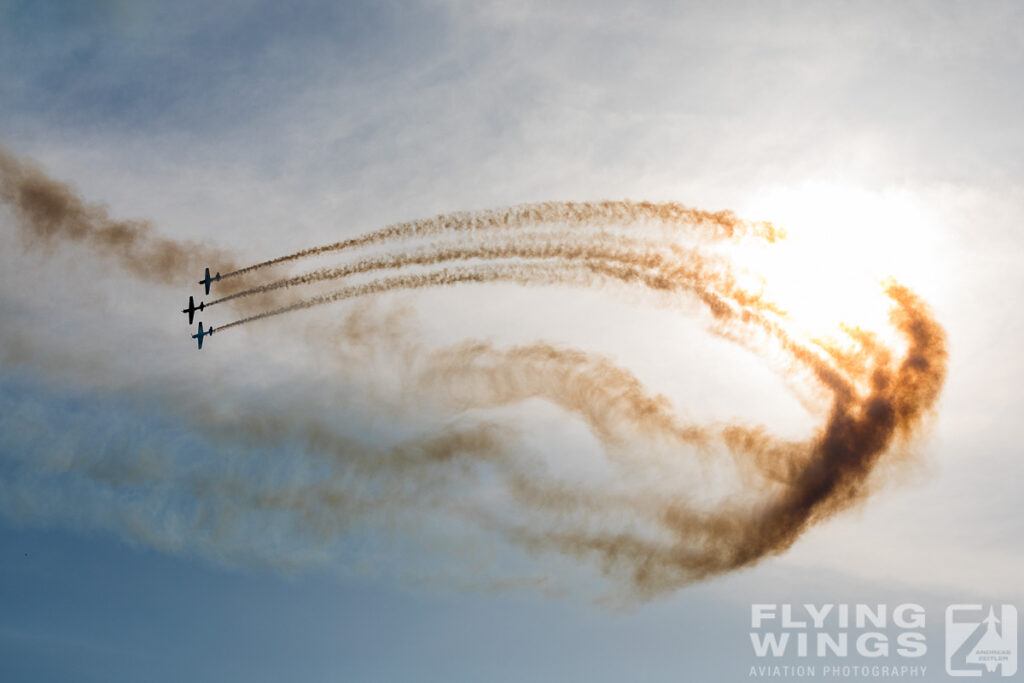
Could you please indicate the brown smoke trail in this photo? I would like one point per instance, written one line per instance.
(810, 481)
(604, 249)
(818, 478)
(583, 274)
(877, 396)
(611, 401)
(710, 225)
(50, 212)
(522, 274)
(676, 270)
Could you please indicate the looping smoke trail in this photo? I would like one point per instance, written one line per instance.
(712, 225)
(809, 481)
(655, 540)
(831, 473)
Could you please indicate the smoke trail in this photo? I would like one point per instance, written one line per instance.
(710, 225)
(526, 247)
(671, 260)
(582, 274)
(654, 537)
(522, 274)
(50, 212)
(710, 281)
(819, 477)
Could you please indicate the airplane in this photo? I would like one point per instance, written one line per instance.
(207, 280)
(201, 333)
(192, 308)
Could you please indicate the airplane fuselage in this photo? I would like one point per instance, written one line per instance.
(206, 281)
(192, 308)
(198, 336)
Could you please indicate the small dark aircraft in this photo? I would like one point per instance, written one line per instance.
(207, 280)
(192, 308)
(201, 333)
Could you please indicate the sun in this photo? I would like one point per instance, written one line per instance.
(842, 243)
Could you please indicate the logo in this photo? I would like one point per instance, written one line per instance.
(981, 641)
(837, 640)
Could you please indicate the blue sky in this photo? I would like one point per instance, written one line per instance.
(130, 613)
(891, 132)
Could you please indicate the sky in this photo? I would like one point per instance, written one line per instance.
(149, 494)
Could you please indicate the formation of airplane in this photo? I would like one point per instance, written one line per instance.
(192, 308)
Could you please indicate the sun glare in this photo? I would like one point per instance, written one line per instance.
(842, 244)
